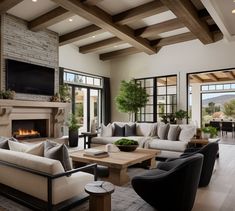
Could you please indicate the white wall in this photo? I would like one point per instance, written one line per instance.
(69, 57)
(178, 59)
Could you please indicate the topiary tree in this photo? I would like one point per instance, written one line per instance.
(131, 98)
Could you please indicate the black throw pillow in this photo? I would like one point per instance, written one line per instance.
(130, 130)
(118, 130)
(57, 152)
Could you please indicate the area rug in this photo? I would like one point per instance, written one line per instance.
(123, 198)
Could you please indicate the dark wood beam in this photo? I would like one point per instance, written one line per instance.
(104, 21)
(187, 13)
(111, 42)
(91, 2)
(155, 29)
(80, 34)
(144, 32)
(212, 77)
(119, 53)
(229, 74)
(204, 15)
(8, 4)
(52, 17)
(140, 12)
(129, 16)
(197, 79)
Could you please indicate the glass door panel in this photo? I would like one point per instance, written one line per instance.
(95, 106)
(80, 108)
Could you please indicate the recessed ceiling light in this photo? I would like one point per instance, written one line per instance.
(34, 0)
(233, 11)
(93, 36)
(70, 19)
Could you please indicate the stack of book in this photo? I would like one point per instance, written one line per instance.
(98, 153)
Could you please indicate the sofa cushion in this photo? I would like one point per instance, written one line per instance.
(163, 131)
(178, 146)
(144, 129)
(106, 131)
(187, 132)
(173, 133)
(119, 130)
(57, 152)
(130, 130)
(36, 149)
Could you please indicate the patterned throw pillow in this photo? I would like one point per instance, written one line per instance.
(57, 152)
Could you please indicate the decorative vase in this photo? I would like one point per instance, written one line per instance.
(73, 138)
(206, 135)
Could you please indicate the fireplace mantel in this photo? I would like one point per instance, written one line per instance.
(55, 112)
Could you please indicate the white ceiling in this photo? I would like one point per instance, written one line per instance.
(114, 7)
(66, 26)
(28, 10)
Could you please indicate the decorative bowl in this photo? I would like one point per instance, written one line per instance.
(127, 148)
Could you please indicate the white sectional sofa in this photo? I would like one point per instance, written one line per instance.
(42, 178)
(147, 134)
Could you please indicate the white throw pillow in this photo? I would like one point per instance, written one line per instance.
(37, 149)
(106, 131)
(186, 133)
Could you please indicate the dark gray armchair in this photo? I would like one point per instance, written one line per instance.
(210, 152)
(172, 185)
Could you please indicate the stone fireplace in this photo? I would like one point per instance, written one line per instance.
(31, 119)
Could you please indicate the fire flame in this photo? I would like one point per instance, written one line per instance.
(23, 132)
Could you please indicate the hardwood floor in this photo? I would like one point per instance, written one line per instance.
(220, 194)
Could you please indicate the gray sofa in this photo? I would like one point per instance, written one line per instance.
(147, 134)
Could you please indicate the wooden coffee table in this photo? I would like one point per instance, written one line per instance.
(118, 162)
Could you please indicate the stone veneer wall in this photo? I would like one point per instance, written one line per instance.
(21, 44)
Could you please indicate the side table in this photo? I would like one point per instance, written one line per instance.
(100, 195)
(87, 138)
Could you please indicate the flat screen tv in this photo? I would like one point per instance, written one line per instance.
(29, 78)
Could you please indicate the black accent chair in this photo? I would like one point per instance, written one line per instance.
(209, 152)
(172, 185)
(216, 124)
(227, 127)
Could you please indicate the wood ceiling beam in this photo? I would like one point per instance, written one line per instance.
(80, 34)
(212, 77)
(166, 41)
(165, 26)
(104, 21)
(187, 13)
(204, 15)
(91, 2)
(144, 32)
(8, 4)
(140, 12)
(197, 79)
(50, 18)
(229, 74)
(125, 17)
(111, 42)
(119, 53)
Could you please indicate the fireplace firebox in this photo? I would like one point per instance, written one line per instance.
(29, 129)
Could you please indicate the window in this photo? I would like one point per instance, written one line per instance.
(162, 98)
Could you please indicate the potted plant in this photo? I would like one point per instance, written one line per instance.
(209, 132)
(180, 115)
(73, 131)
(131, 98)
(64, 93)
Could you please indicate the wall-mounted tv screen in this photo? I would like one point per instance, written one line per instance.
(29, 78)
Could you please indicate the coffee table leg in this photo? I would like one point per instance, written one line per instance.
(150, 164)
(118, 176)
(100, 203)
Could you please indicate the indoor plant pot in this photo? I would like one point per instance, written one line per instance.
(73, 131)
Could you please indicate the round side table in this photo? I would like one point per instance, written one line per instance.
(100, 195)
